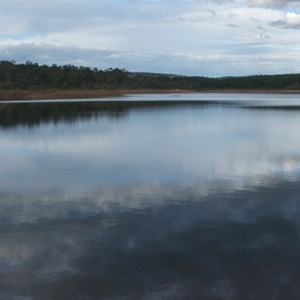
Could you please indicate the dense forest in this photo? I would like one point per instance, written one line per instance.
(34, 76)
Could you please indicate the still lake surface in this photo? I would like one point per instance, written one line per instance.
(191, 196)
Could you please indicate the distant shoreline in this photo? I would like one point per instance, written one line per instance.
(48, 94)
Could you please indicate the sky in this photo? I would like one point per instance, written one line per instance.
(189, 37)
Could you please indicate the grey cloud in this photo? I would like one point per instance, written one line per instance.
(234, 25)
(259, 27)
(211, 11)
(284, 25)
(273, 3)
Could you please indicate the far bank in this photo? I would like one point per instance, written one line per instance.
(47, 94)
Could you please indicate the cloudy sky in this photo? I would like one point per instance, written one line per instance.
(190, 37)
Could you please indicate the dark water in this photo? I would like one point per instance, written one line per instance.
(170, 199)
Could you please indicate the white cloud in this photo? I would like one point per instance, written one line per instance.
(292, 19)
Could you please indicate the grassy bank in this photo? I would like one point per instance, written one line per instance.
(43, 94)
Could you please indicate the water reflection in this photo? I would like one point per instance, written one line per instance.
(184, 201)
(33, 114)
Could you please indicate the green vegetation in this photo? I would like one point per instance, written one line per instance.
(34, 76)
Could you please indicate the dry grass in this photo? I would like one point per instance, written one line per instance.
(41, 94)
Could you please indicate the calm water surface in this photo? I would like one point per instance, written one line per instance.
(151, 197)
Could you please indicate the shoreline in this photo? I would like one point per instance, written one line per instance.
(48, 94)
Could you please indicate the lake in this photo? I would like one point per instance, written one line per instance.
(181, 196)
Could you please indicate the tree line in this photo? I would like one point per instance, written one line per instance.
(34, 76)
